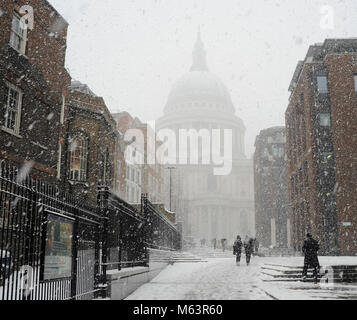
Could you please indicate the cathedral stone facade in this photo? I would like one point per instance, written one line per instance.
(210, 206)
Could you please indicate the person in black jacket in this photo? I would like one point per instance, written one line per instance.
(237, 249)
(248, 248)
(310, 249)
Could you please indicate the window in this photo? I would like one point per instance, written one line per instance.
(132, 174)
(104, 167)
(325, 119)
(275, 150)
(127, 193)
(127, 172)
(301, 182)
(322, 84)
(18, 37)
(62, 109)
(12, 108)
(306, 173)
(78, 158)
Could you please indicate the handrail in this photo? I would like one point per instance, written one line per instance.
(122, 262)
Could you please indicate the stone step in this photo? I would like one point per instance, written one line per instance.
(333, 274)
(289, 276)
(286, 271)
(308, 280)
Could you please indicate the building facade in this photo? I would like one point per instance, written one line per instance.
(321, 122)
(91, 145)
(272, 223)
(34, 86)
(209, 206)
(133, 160)
(153, 173)
(141, 139)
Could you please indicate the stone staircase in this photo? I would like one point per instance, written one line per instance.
(185, 257)
(341, 273)
(205, 252)
(328, 274)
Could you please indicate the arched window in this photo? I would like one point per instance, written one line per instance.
(78, 158)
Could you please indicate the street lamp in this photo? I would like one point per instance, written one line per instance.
(171, 168)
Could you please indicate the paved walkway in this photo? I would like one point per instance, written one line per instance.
(216, 279)
(221, 279)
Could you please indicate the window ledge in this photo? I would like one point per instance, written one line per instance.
(19, 52)
(9, 131)
(39, 145)
(71, 181)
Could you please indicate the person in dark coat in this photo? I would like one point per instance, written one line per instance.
(248, 248)
(256, 246)
(237, 249)
(310, 249)
(214, 242)
(223, 243)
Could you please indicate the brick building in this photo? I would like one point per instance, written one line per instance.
(34, 85)
(91, 145)
(321, 122)
(272, 222)
(153, 176)
(133, 158)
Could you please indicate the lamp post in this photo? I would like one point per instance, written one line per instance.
(171, 168)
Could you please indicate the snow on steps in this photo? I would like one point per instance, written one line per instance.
(181, 257)
(328, 274)
(210, 253)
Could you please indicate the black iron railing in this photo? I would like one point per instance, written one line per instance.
(54, 248)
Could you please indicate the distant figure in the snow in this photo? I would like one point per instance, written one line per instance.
(248, 248)
(310, 248)
(256, 246)
(223, 243)
(237, 249)
(203, 242)
(214, 243)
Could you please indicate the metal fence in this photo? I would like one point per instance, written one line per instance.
(42, 232)
(54, 248)
(131, 232)
(125, 233)
(161, 232)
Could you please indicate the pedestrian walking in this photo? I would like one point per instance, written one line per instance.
(310, 249)
(256, 246)
(237, 249)
(214, 242)
(248, 248)
(223, 243)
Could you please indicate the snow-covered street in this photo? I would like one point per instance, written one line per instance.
(221, 279)
(215, 279)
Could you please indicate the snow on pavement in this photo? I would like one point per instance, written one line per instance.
(221, 279)
(217, 279)
(297, 290)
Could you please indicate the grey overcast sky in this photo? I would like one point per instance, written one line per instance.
(131, 52)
